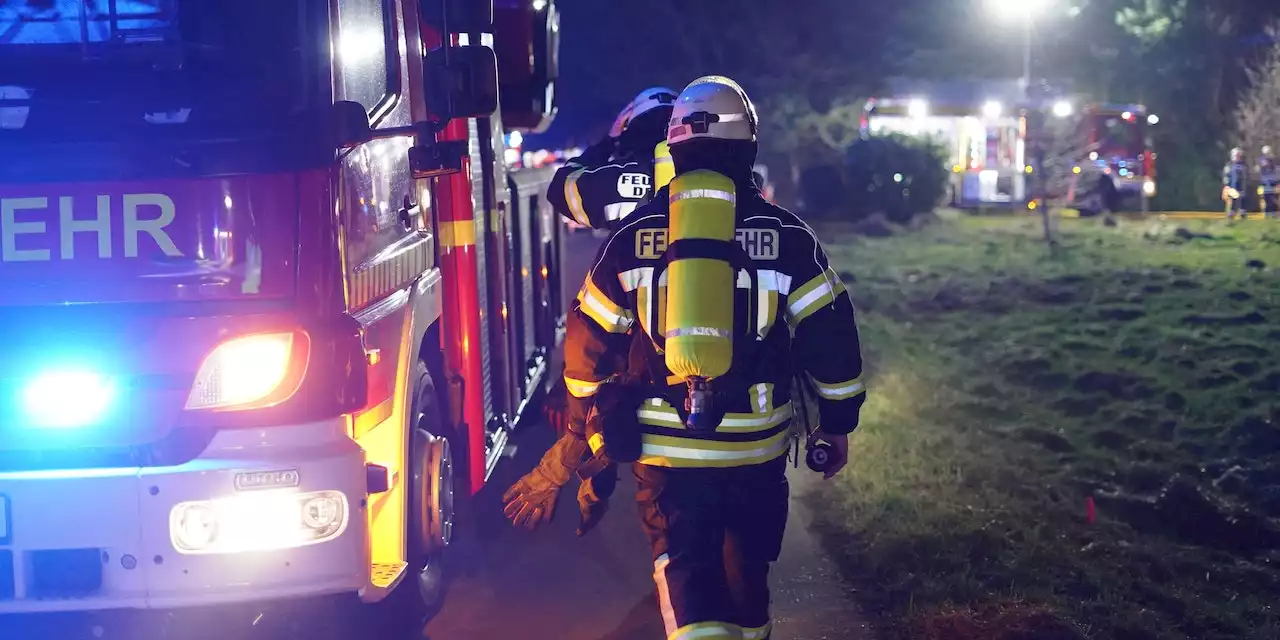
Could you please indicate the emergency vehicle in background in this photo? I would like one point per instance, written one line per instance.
(271, 295)
(990, 144)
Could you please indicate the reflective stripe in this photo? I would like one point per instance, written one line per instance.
(573, 197)
(610, 316)
(619, 210)
(821, 291)
(840, 390)
(762, 397)
(699, 331)
(581, 388)
(707, 631)
(710, 194)
(774, 281)
(633, 278)
(664, 593)
(658, 413)
(596, 442)
(669, 451)
(757, 633)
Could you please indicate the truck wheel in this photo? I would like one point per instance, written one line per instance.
(433, 497)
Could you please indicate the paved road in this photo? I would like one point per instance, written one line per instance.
(550, 584)
(547, 585)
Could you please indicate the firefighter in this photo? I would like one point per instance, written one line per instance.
(698, 314)
(597, 189)
(609, 179)
(612, 177)
(1268, 182)
(1234, 174)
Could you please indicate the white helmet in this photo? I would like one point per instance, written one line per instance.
(646, 101)
(1266, 150)
(712, 107)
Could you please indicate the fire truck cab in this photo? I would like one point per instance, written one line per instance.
(272, 300)
(990, 135)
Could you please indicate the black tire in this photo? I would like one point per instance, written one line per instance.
(435, 493)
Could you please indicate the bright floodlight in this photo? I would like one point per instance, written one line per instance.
(1062, 109)
(992, 109)
(918, 108)
(1016, 9)
(1153, 119)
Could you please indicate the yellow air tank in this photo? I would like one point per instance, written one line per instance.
(664, 170)
(700, 287)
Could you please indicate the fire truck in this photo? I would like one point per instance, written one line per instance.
(272, 300)
(991, 142)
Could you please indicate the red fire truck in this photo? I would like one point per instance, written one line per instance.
(989, 146)
(272, 301)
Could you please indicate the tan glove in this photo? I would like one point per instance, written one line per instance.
(531, 501)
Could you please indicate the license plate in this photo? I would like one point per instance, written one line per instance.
(5, 529)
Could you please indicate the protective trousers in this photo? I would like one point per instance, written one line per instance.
(714, 533)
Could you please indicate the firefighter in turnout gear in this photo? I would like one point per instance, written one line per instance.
(1268, 183)
(700, 311)
(614, 176)
(597, 189)
(1234, 175)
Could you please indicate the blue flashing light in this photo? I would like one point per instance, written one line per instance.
(66, 399)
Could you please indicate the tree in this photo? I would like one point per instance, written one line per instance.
(807, 65)
(1258, 114)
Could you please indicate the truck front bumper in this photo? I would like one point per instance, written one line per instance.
(261, 514)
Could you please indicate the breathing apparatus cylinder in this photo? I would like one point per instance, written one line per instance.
(664, 169)
(701, 283)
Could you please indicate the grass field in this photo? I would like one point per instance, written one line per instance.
(1137, 368)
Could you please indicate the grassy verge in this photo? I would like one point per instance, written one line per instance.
(1138, 367)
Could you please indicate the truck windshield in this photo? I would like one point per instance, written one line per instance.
(1117, 136)
(188, 71)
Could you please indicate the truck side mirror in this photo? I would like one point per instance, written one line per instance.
(528, 82)
(458, 16)
(349, 125)
(462, 82)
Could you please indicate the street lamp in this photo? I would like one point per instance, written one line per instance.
(1026, 12)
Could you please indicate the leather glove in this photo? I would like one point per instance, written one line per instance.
(555, 406)
(531, 501)
(593, 497)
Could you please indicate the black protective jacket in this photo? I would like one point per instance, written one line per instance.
(805, 327)
(600, 187)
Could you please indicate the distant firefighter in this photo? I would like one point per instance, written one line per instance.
(1268, 182)
(1234, 176)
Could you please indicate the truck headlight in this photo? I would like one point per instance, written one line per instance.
(250, 371)
(259, 521)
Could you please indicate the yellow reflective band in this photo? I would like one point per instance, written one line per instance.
(573, 197)
(707, 631)
(658, 413)
(581, 388)
(596, 442)
(670, 451)
(757, 633)
(840, 390)
(762, 397)
(460, 233)
(819, 292)
(610, 316)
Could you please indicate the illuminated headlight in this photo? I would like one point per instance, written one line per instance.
(258, 522)
(1149, 188)
(250, 371)
(66, 399)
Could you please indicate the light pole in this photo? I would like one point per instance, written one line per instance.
(1026, 12)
